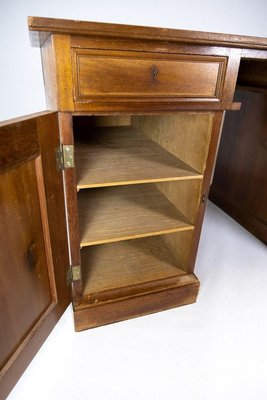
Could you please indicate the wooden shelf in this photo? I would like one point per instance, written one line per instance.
(121, 155)
(126, 212)
(127, 268)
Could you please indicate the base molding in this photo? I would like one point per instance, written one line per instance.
(135, 306)
(249, 221)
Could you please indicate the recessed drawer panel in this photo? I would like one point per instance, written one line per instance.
(111, 75)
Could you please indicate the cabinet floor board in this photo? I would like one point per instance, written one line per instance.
(127, 264)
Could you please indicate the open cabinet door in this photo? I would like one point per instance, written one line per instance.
(33, 241)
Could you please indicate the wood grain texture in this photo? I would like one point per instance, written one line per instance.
(240, 176)
(47, 126)
(86, 76)
(105, 313)
(185, 135)
(15, 148)
(86, 28)
(214, 141)
(146, 45)
(180, 245)
(70, 196)
(185, 196)
(33, 293)
(135, 74)
(49, 74)
(125, 212)
(61, 53)
(230, 78)
(122, 155)
(151, 54)
(127, 266)
(45, 226)
(25, 289)
(246, 218)
(150, 106)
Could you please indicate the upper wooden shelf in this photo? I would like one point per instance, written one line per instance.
(121, 155)
(41, 28)
(126, 212)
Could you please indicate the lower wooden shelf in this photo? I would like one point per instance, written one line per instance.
(130, 278)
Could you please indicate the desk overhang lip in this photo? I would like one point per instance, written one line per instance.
(40, 28)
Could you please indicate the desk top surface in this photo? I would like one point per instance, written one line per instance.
(41, 28)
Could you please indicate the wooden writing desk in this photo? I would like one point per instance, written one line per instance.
(103, 197)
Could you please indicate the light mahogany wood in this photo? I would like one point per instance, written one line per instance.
(41, 27)
(184, 292)
(127, 263)
(49, 74)
(69, 180)
(27, 287)
(138, 74)
(34, 254)
(126, 212)
(179, 83)
(95, 73)
(121, 155)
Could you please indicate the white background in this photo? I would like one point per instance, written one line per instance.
(21, 81)
(215, 349)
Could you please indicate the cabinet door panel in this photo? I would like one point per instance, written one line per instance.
(33, 291)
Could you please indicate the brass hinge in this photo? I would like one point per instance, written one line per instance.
(73, 273)
(65, 156)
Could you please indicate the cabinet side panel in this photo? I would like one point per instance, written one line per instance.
(180, 245)
(62, 60)
(49, 74)
(184, 195)
(186, 135)
(240, 180)
(214, 140)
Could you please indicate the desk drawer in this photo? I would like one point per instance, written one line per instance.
(102, 75)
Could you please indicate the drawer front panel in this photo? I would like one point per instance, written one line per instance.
(112, 75)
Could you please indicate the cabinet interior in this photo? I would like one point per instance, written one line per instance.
(252, 75)
(139, 181)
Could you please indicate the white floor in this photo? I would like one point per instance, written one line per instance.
(215, 349)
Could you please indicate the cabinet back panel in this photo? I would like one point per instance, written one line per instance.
(180, 246)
